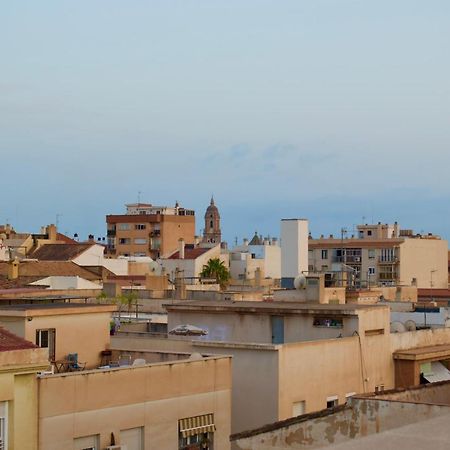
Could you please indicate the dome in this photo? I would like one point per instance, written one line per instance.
(212, 210)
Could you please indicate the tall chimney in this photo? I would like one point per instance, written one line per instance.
(181, 248)
(13, 269)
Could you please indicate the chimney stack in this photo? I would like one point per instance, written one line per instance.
(181, 248)
(13, 269)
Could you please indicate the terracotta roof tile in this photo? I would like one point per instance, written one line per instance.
(59, 252)
(9, 341)
(42, 269)
(190, 253)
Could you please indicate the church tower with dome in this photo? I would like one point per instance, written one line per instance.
(211, 232)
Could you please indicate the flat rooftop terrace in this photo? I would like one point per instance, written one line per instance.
(263, 307)
(49, 309)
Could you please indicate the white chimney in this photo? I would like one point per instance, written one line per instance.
(181, 248)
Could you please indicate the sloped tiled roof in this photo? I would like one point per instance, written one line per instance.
(17, 283)
(190, 252)
(9, 341)
(66, 239)
(59, 252)
(42, 269)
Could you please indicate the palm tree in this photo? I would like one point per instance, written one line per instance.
(215, 268)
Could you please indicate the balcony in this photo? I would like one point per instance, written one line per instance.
(349, 259)
(388, 260)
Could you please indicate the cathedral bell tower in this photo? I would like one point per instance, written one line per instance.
(212, 233)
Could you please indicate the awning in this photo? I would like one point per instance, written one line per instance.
(196, 425)
(437, 372)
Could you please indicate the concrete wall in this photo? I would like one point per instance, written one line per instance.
(363, 418)
(257, 328)
(255, 382)
(433, 393)
(18, 387)
(85, 334)
(418, 257)
(154, 397)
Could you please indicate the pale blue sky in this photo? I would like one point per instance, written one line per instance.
(326, 109)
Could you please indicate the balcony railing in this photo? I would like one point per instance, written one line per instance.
(388, 259)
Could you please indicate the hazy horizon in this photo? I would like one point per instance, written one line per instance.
(336, 111)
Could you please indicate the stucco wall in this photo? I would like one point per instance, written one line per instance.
(154, 397)
(418, 257)
(255, 383)
(85, 334)
(363, 418)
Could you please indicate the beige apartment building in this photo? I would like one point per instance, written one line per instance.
(148, 230)
(62, 328)
(182, 404)
(381, 255)
(291, 358)
(20, 361)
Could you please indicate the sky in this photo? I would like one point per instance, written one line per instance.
(333, 110)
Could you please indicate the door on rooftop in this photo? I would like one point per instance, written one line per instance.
(277, 329)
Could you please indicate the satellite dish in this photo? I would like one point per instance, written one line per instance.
(397, 327)
(300, 282)
(155, 268)
(410, 325)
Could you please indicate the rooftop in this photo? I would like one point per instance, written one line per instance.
(51, 309)
(263, 307)
(9, 341)
(41, 269)
(190, 252)
(60, 252)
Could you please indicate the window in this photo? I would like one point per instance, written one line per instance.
(332, 401)
(125, 241)
(140, 241)
(298, 408)
(371, 253)
(369, 232)
(211, 224)
(379, 388)
(133, 438)
(123, 226)
(371, 271)
(196, 433)
(328, 322)
(46, 339)
(324, 254)
(87, 442)
(3, 425)
(140, 226)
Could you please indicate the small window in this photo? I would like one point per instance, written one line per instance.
(324, 254)
(46, 339)
(328, 322)
(369, 232)
(298, 408)
(332, 401)
(196, 432)
(87, 442)
(3, 425)
(125, 241)
(211, 224)
(123, 226)
(140, 226)
(371, 271)
(371, 253)
(379, 389)
(140, 241)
